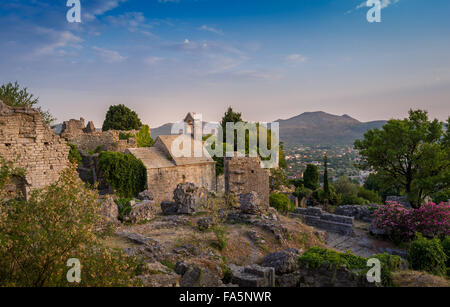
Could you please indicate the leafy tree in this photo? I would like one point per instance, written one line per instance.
(14, 96)
(326, 187)
(311, 177)
(57, 223)
(121, 117)
(230, 117)
(74, 154)
(414, 152)
(281, 202)
(278, 178)
(143, 137)
(382, 186)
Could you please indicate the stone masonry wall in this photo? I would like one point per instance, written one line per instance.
(316, 217)
(24, 135)
(88, 138)
(162, 182)
(244, 175)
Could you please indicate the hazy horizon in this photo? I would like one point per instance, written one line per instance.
(268, 59)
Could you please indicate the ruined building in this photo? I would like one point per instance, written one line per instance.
(165, 170)
(88, 138)
(40, 152)
(244, 175)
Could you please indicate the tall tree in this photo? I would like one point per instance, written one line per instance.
(121, 117)
(14, 96)
(311, 177)
(326, 187)
(413, 152)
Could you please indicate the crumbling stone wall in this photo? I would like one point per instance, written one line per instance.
(40, 152)
(244, 175)
(316, 217)
(163, 181)
(87, 138)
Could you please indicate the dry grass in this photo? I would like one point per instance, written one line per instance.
(418, 279)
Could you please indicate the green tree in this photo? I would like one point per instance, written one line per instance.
(121, 117)
(413, 152)
(311, 177)
(14, 96)
(230, 117)
(143, 137)
(38, 236)
(326, 187)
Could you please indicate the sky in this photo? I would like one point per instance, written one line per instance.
(269, 59)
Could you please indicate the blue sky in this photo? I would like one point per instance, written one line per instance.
(269, 59)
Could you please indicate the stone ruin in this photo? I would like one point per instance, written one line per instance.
(39, 151)
(316, 217)
(88, 138)
(244, 175)
(187, 198)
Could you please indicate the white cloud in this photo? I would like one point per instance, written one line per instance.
(152, 60)
(384, 4)
(211, 29)
(133, 22)
(109, 56)
(59, 40)
(295, 58)
(101, 7)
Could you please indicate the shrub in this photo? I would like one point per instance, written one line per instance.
(315, 257)
(220, 233)
(371, 196)
(427, 255)
(401, 224)
(38, 236)
(446, 248)
(74, 154)
(124, 207)
(124, 172)
(125, 135)
(281, 202)
(302, 192)
(352, 199)
(143, 137)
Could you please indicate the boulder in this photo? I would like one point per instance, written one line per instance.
(283, 262)
(250, 203)
(199, 277)
(142, 212)
(109, 210)
(146, 195)
(169, 208)
(253, 276)
(187, 196)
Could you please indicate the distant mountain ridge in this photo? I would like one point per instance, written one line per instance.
(312, 128)
(324, 129)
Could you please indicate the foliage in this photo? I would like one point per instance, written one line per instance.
(281, 202)
(220, 232)
(124, 172)
(315, 257)
(121, 118)
(371, 196)
(413, 152)
(352, 199)
(278, 179)
(427, 255)
(124, 206)
(74, 154)
(302, 192)
(125, 135)
(230, 117)
(57, 223)
(143, 137)
(401, 224)
(441, 196)
(97, 150)
(311, 177)
(446, 248)
(383, 186)
(326, 186)
(12, 95)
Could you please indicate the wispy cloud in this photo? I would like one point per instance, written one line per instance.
(109, 56)
(58, 41)
(384, 4)
(152, 60)
(133, 22)
(211, 29)
(99, 8)
(295, 58)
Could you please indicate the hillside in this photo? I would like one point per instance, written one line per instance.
(322, 128)
(313, 128)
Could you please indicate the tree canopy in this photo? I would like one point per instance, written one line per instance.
(14, 96)
(120, 117)
(311, 177)
(413, 152)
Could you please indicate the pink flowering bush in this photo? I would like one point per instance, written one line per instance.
(400, 224)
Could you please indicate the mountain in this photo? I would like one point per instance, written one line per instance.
(312, 128)
(320, 128)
